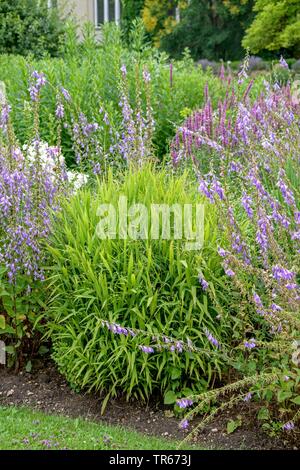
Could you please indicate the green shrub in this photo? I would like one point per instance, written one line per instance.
(29, 26)
(280, 75)
(150, 285)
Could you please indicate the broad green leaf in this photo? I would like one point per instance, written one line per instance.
(170, 398)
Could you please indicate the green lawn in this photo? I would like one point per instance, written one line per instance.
(22, 429)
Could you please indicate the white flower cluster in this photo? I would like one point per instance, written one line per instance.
(51, 160)
(77, 180)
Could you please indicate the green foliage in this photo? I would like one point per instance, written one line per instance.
(233, 425)
(150, 285)
(280, 75)
(276, 26)
(29, 27)
(131, 10)
(91, 76)
(19, 308)
(210, 29)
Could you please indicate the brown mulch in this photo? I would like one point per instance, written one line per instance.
(44, 389)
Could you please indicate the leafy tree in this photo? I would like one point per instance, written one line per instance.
(131, 9)
(29, 26)
(159, 17)
(276, 26)
(211, 29)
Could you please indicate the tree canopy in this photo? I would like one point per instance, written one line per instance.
(276, 26)
(211, 29)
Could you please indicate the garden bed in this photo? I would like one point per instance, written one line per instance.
(46, 390)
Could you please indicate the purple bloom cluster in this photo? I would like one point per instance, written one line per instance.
(38, 80)
(204, 284)
(146, 349)
(250, 344)
(184, 424)
(60, 111)
(282, 274)
(118, 329)
(211, 338)
(4, 115)
(28, 195)
(138, 126)
(184, 402)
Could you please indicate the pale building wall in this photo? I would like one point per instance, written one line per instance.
(83, 10)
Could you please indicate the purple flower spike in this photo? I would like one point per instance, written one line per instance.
(66, 94)
(184, 424)
(280, 273)
(211, 338)
(60, 111)
(283, 63)
(147, 349)
(257, 300)
(124, 70)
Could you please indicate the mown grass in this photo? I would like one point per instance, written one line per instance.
(24, 429)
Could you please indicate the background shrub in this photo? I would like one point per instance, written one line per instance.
(296, 66)
(147, 285)
(29, 26)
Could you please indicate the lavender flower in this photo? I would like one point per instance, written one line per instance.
(282, 274)
(257, 300)
(4, 115)
(283, 63)
(222, 252)
(146, 349)
(248, 397)
(229, 272)
(184, 403)
(250, 344)
(39, 80)
(65, 94)
(146, 76)
(204, 284)
(289, 426)
(211, 338)
(47, 443)
(60, 111)
(184, 424)
(246, 203)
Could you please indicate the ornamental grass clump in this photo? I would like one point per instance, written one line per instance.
(130, 316)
